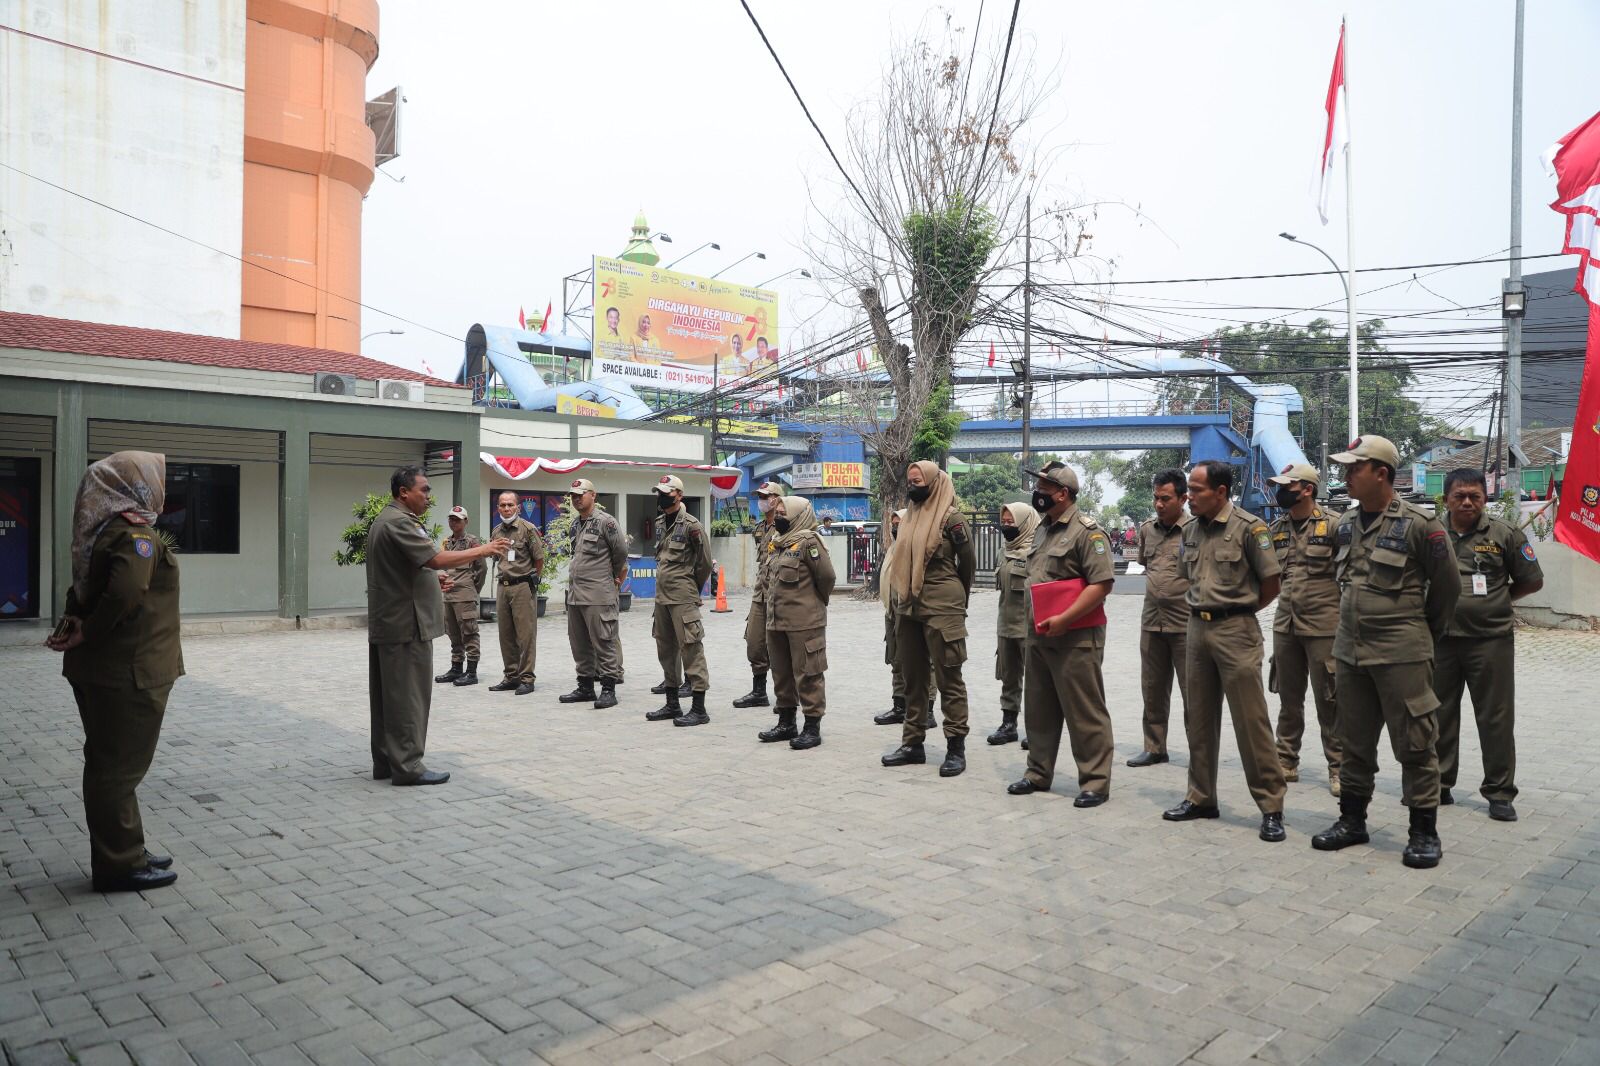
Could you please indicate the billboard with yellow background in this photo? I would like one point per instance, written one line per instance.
(669, 330)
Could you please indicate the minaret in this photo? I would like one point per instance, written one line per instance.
(639, 249)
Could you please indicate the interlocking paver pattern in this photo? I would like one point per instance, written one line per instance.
(591, 888)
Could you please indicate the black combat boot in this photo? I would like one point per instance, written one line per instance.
(696, 714)
(810, 736)
(608, 694)
(757, 696)
(667, 710)
(784, 730)
(955, 756)
(1423, 849)
(661, 689)
(894, 715)
(470, 675)
(449, 675)
(1007, 731)
(931, 722)
(686, 690)
(906, 755)
(1351, 828)
(584, 693)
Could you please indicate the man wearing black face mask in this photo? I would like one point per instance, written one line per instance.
(1306, 620)
(516, 610)
(683, 562)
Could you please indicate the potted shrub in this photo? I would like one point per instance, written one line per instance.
(354, 537)
(557, 550)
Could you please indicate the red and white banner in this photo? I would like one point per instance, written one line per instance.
(1336, 139)
(1575, 161)
(724, 480)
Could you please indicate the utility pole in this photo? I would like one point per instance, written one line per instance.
(1027, 333)
(1323, 406)
(1513, 403)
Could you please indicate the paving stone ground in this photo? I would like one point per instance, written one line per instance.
(591, 888)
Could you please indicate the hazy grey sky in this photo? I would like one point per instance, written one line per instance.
(535, 131)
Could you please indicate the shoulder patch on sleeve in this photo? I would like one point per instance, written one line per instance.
(1441, 545)
(143, 545)
(1527, 553)
(957, 531)
(815, 552)
(1098, 541)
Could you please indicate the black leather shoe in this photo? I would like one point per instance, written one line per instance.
(427, 777)
(607, 697)
(1349, 830)
(1502, 811)
(1188, 812)
(692, 718)
(1024, 743)
(1423, 849)
(157, 862)
(1445, 799)
(1272, 827)
(663, 713)
(1025, 787)
(1148, 758)
(380, 773)
(135, 881)
(524, 688)
(757, 696)
(584, 693)
(809, 737)
(1090, 799)
(686, 689)
(449, 675)
(784, 730)
(894, 716)
(1006, 734)
(503, 686)
(906, 755)
(955, 757)
(661, 689)
(468, 678)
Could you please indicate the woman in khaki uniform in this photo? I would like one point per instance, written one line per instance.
(122, 654)
(799, 581)
(1018, 522)
(897, 712)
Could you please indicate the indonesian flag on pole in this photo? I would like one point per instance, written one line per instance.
(522, 319)
(991, 355)
(549, 309)
(1336, 139)
(1575, 161)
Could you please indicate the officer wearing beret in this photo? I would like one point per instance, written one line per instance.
(516, 598)
(1399, 585)
(460, 585)
(683, 563)
(599, 565)
(768, 497)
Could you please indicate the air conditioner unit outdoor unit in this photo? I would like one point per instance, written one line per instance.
(395, 390)
(335, 384)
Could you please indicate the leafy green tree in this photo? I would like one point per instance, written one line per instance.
(941, 421)
(354, 536)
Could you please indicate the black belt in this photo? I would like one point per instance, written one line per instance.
(1217, 614)
(528, 580)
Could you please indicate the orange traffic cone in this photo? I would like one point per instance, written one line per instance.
(722, 593)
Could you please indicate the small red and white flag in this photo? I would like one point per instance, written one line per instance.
(991, 355)
(861, 359)
(522, 319)
(1336, 139)
(428, 370)
(1575, 161)
(545, 326)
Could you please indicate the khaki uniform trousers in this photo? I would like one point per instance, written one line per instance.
(1010, 662)
(400, 692)
(1297, 660)
(121, 725)
(461, 623)
(1484, 667)
(930, 654)
(596, 648)
(1064, 685)
(517, 614)
(755, 639)
(799, 661)
(898, 680)
(1398, 696)
(1224, 661)
(680, 646)
(1161, 657)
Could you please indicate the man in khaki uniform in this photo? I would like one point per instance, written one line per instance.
(1164, 626)
(460, 585)
(683, 562)
(599, 564)
(1478, 652)
(1232, 572)
(1306, 619)
(1399, 586)
(1062, 677)
(799, 582)
(404, 614)
(516, 597)
(755, 623)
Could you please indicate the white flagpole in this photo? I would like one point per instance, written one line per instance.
(1350, 240)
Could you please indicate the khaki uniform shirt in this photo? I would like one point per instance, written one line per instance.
(761, 532)
(466, 579)
(1073, 545)
(1398, 585)
(599, 557)
(1501, 553)
(1308, 603)
(1011, 578)
(1226, 559)
(1164, 582)
(947, 577)
(403, 600)
(527, 548)
(129, 612)
(683, 557)
(799, 581)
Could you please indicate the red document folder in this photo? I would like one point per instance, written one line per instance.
(1050, 598)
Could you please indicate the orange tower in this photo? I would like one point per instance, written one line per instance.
(308, 161)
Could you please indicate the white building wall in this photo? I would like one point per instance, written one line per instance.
(245, 583)
(139, 106)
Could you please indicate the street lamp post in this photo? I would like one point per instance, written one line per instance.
(685, 255)
(736, 262)
(383, 332)
(1350, 310)
(797, 270)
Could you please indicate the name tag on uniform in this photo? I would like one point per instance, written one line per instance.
(511, 555)
(1480, 585)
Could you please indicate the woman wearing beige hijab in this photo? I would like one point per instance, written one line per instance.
(930, 576)
(1018, 521)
